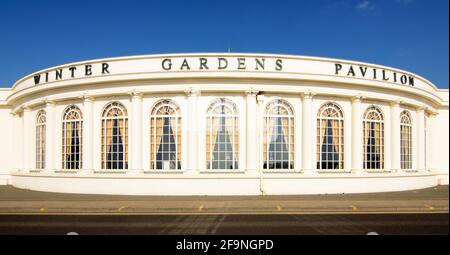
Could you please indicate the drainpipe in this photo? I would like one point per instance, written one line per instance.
(260, 101)
(261, 187)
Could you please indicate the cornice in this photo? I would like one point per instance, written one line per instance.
(219, 54)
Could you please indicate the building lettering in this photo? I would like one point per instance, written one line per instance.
(377, 74)
(227, 64)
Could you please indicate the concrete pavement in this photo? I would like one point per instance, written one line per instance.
(17, 201)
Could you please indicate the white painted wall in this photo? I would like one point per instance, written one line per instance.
(439, 147)
(18, 154)
(7, 145)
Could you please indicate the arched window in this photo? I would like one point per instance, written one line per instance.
(222, 137)
(72, 132)
(373, 126)
(279, 136)
(165, 136)
(40, 139)
(405, 140)
(330, 137)
(115, 137)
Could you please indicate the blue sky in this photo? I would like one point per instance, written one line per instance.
(408, 34)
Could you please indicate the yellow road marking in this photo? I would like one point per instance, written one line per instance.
(354, 208)
(431, 208)
(42, 209)
(200, 208)
(120, 208)
(232, 213)
(279, 208)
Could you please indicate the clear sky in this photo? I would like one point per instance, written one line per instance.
(408, 34)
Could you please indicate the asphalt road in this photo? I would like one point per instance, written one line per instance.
(288, 224)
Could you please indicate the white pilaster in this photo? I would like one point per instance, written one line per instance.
(395, 136)
(136, 142)
(193, 130)
(260, 133)
(88, 134)
(251, 135)
(50, 154)
(433, 149)
(16, 134)
(357, 141)
(427, 141)
(307, 137)
(420, 149)
(27, 146)
(13, 140)
(427, 126)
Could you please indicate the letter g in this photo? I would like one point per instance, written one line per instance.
(166, 64)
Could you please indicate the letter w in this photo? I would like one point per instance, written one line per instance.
(37, 79)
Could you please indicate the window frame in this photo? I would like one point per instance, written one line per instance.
(235, 136)
(382, 137)
(178, 131)
(341, 136)
(110, 106)
(266, 137)
(406, 154)
(40, 153)
(65, 122)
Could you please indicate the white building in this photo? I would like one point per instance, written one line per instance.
(223, 124)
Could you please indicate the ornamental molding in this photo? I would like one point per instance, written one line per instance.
(192, 92)
(251, 92)
(308, 94)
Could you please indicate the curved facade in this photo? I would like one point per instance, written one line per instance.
(223, 124)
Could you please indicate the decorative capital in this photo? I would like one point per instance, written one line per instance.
(192, 92)
(86, 97)
(135, 93)
(421, 108)
(308, 94)
(358, 98)
(26, 108)
(431, 111)
(397, 102)
(260, 99)
(251, 92)
(48, 102)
